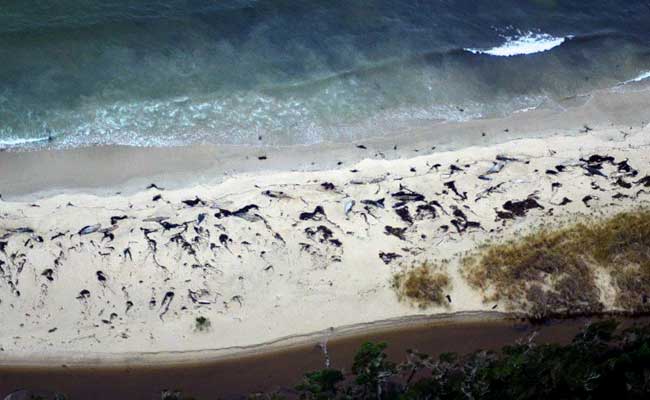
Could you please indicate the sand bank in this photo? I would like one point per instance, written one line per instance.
(235, 378)
(273, 256)
(194, 358)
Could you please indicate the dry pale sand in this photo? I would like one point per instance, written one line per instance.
(270, 255)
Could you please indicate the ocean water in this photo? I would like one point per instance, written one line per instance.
(279, 72)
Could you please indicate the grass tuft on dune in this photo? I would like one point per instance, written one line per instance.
(555, 271)
(421, 285)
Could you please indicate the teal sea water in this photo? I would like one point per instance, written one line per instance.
(279, 72)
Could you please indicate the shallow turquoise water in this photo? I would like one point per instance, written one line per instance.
(159, 73)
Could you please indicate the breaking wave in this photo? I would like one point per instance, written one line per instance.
(530, 43)
(641, 77)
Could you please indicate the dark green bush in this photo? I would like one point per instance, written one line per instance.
(600, 363)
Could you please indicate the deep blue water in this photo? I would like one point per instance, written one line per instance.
(172, 72)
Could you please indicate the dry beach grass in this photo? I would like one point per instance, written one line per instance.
(555, 270)
(422, 285)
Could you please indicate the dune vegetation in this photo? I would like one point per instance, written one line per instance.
(566, 271)
(422, 285)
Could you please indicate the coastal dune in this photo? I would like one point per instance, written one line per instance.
(263, 256)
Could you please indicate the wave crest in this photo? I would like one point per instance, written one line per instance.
(529, 43)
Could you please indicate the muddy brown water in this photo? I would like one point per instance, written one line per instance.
(280, 370)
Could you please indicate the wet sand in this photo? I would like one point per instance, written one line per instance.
(104, 170)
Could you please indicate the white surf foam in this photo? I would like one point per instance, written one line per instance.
(642, 77)
(10, 142)
(529, 43)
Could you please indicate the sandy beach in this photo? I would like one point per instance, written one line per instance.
(105, 170)
(110, 254)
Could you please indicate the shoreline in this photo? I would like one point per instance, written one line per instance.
(36, 174)
(209, 355)
(233, 378)
(195, 358)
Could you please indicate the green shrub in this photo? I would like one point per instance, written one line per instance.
(598, 364)
(202, 324)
